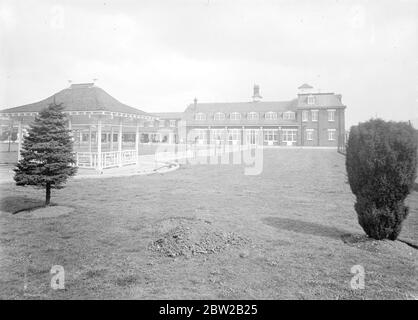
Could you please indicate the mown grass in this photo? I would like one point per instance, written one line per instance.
(295, 213)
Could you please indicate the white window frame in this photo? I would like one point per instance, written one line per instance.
(234, 135)
(305, 115)
(311, 100)
(200, 116)
(289, 133)
(270, 115)
(316, 117)
(219, 116)
(252, 115)
(289, 115)
(235, 116)
(172, 123)
(270, 135)
(331, 134)
(331, 115)
(151, 124)
(309, 134)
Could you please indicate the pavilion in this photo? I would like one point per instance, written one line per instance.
(106, 132)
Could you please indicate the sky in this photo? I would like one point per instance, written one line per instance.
(159, 55)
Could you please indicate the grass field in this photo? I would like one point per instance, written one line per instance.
(295, 215)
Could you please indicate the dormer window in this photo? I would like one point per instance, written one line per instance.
(289, 115)
(219, 116)
(311, 100)
(271, 116)
(235, 116)
(172, 123)
(200, 116)
(252, 116)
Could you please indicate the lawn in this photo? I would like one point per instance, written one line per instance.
(295, 217)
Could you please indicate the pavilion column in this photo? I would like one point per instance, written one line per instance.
(261, 137)
(111, 138)
(19, 138)
(137, 143)
(90, 138)
(10, 133)
(120, 143)
(99, 145)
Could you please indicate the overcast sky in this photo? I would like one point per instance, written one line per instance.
(159, 55)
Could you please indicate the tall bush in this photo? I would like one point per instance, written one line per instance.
(381, 163)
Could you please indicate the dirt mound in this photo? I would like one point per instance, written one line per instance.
(188, 237)
(381, 246)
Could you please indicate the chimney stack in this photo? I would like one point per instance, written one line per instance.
(256, 93)
(195, 103)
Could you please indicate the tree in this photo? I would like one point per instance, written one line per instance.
(47, 152)
(381, 165)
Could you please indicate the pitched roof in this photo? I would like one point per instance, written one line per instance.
(168, 115)
(80, 97)
(322, 100)
(305, 86)
(228, 107)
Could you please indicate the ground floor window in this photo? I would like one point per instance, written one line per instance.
(252, 136)
(289, 135)
(331, 134)
(270, 135)
(234, 135)
(199, 135)
(218, 135)
(309, 134)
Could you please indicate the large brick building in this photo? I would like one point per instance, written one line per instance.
(311, 119)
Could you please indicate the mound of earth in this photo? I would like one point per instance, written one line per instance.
(188, 237)
(45, 212)
(380, 246)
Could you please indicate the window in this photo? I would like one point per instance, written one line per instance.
(200, 116)
(270, 135)
(331, 134)
(309, 134)
(235, 116)
(252, 116)
(305, 114)
(218, 135)
(271, 116)
(162, 123)
(331, 115)
(199, 135)
(289, 135)
(172, 123)
(311, 100)
(314, 114)
(234, 135)
(219, 116)
(289, 115)
(151, 124)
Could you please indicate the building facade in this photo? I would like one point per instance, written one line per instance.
(311, 119)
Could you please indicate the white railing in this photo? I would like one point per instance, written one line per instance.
(108, 159)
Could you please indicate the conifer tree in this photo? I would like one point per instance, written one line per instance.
(47, 152)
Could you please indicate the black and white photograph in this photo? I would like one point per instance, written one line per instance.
(221, 151)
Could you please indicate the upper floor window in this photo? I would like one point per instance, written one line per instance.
(151, 124)
(305, 114)
(271, 116)
(235, 116)
(172, 123)
(289, 115)
(314, 114)
(162, 123)
(200, 116)
(252, 116)
(219, 116)
(311, 100)
(331, 115)
(331, 134)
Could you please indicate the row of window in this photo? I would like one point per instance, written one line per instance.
(314, 115)
(219, 116)
(269, 134)
(162, 123)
